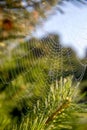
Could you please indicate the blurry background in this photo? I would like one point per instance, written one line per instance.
(71, 25)
(42, 43)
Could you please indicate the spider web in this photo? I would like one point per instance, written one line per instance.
(26, 56)
(38, 56)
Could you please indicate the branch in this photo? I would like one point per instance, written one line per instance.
(59, 110)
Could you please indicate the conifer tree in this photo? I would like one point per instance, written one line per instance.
(30, 97)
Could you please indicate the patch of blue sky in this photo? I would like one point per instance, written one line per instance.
(71, 26)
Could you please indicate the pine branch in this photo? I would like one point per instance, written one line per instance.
(60, 109)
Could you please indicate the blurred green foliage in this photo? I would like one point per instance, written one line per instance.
(37, 91)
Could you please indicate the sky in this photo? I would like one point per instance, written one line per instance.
(71, 26)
